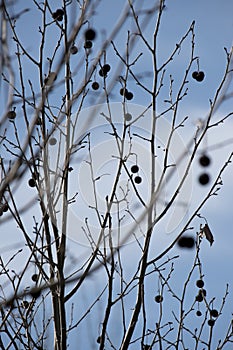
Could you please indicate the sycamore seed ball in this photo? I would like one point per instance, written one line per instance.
(138, 179)
(90, 34)
(134, 168)
(200, 283)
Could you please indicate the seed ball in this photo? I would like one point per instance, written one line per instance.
(58, 15)
(73, 50)
(158, 298)
(101, 73)
(95, 85)
(106, 67)
(52, 141)
(195, 74)
(214, 313)
(35, 277)
(90, 34)
(186, 242)
(201, 295)
(199, 298)
(211, 322)
(11, 115)
(198, 313)
(134, 168)
(200, 283)
(129, 96)
(104, 70)
(31, 182)
(204, 179)
(88, 44)
(200, 76)
(60, 12)
(123, 91)
(204, 160)
(138, 179)
(128, 117)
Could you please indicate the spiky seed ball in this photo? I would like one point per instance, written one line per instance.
(214, 313)
(123, 91)
(158, 298)
(88, 44)
(103, 72)
(11, 115)
(204, 179)
(73, 50)
(200, 77)
(194, 75)
(95, 85)
(35, 277)
(58, 15)
(211, 322)
(106, 67)
(199, 298)
(31, 182)
(134, 168)
(138, 179)
(204, 160)
(52, 141)
(200, 283)
(90, 34)
(129, 95)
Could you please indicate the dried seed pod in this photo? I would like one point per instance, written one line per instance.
(208, 234)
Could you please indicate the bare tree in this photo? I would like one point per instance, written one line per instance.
(90, 178)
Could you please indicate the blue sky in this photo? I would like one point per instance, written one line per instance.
(213, 32)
